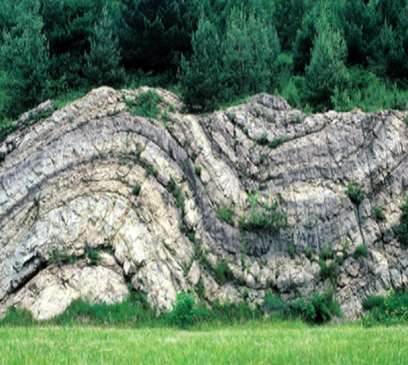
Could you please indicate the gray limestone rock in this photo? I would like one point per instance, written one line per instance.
(67, 182)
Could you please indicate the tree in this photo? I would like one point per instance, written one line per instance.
(389, 49)
(326, 72)
(155, 33)
(68, 26)
(288, 15)
(317, 11)
(102, 63)
(24, 61)
(201, 76)
(251, 48)
(8, 14)
(303, 44)
(360, 25)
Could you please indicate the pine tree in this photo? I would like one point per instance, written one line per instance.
(288, 15)
(306, 34)
(102, 63)
(326, 72)
(68, 25)
(201, 76)
(251, 47)
(389, 48)
(155, 33)
(360, 25)
(24, 61)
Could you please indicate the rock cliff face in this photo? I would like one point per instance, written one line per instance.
(179, 203)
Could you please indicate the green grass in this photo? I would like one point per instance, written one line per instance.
(251, 343)
(63, 100)
(226, 214)
(378, 213)
(360, 251)
(146, 104)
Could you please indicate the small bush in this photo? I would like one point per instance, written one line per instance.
(61, 257)
(378, 213)
(275, 305)
(150, 170)
(200, 288)
(355, 193)
(275, 143)
(297, 118)
(201, 256)
(93, 255)
(373, 301)
(291, 250)
(165, 118)
(145, 105)
(326, 253)
(134, 310)
(232, 313)
(183, 313)
(136, 189)
(223, 273)
(324, 308)
(368, 92)
(226, 214)
(267, 218)
(328, 270)
(18, 318)
(178, 194)
(402, 229)
(328, 264)
(188, 232)
(317, 309)
(308, 252)
(390, 310)
(197, 170)
(263, 140)
(360, 251)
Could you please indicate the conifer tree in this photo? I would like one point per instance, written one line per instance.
(201, 76)
(102, 63)
(155, 33)
(326, 72)
(68, 25)
(251, 48)
(24, 61)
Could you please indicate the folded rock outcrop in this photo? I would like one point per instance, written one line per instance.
(229, 205)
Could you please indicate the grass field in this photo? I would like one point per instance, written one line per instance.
(250, 343)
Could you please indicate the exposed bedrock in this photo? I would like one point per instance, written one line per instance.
(148, 195)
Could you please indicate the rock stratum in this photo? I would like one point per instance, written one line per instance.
(165, 202)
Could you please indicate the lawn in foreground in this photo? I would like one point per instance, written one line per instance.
(251, 343)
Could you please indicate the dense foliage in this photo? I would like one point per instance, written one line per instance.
(389, 310)
(318, 309)
(402, 228)
(187, 312)
(318, 54)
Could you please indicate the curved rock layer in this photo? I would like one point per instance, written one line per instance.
(148, 195)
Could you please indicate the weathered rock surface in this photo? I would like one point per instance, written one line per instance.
(67, 183)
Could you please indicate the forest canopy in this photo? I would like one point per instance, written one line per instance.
(318, 54)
